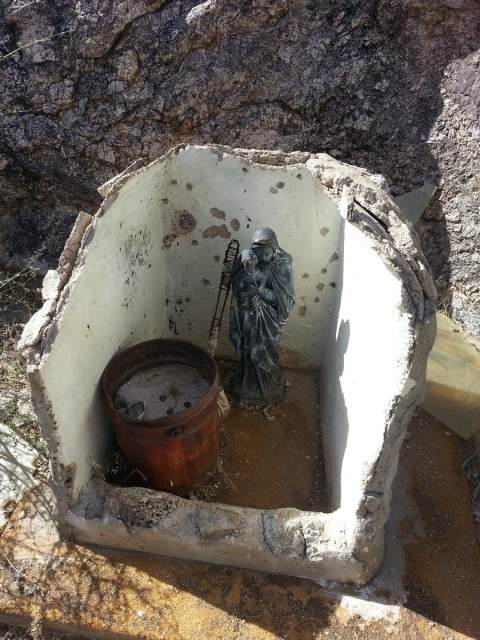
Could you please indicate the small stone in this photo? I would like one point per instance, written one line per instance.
(50, 285)
(33, 330)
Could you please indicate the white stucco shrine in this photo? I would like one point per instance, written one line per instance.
(147, 265)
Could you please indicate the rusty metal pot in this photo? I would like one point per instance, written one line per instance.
(174, 451)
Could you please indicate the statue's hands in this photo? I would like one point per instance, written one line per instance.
(266, 295)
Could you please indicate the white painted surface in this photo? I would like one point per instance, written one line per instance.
(365, 368)
(113, 300)
(305, 219)
(142, 276)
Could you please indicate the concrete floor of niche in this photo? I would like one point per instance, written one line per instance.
(272, 458)
(427, 587)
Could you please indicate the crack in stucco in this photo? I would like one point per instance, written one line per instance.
(264, 532)
(304, 540)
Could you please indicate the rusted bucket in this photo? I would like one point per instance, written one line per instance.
(173, 451)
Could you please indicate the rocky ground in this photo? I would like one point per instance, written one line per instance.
(392, 85)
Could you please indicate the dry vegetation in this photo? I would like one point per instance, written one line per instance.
(34, 632)
(19, 298)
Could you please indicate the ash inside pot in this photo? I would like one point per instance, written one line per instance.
(164, 390)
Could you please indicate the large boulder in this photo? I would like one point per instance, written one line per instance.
(390, 85)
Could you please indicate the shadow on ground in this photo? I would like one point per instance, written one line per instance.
(428, 584)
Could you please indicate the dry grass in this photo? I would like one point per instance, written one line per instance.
(19, 298)
(32, 633)
(218, 477)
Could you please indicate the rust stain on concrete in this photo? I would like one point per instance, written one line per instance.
(168, 239)
(218, 213)
(333, 257)
(185, 222)
(217, 232)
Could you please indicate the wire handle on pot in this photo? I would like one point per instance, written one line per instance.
(181, 436)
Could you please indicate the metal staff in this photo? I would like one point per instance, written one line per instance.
(230, 256)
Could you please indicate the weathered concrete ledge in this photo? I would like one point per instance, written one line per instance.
(148, 266)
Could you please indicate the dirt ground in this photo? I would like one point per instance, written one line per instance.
(427, 588)
(277, 462)
(270, 465)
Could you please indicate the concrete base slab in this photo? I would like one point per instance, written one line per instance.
(427, 588)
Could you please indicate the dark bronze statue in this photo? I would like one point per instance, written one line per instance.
(262, 284)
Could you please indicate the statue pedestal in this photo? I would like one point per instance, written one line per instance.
(246, 393)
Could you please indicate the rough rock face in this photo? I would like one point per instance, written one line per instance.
(391, 85)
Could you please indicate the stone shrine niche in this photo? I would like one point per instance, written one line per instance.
(148, 266)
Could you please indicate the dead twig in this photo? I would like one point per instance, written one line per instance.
(30, 44)
(17, 571)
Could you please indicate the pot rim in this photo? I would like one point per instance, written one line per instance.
(165, 422)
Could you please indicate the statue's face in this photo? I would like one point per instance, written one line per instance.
(263, 252)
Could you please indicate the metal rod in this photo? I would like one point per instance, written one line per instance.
(231, 255)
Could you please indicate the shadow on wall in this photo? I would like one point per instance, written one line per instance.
(341, 437)
(334, 444)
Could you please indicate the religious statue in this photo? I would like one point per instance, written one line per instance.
(262, 285)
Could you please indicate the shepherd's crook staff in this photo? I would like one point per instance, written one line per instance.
(230, 256)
